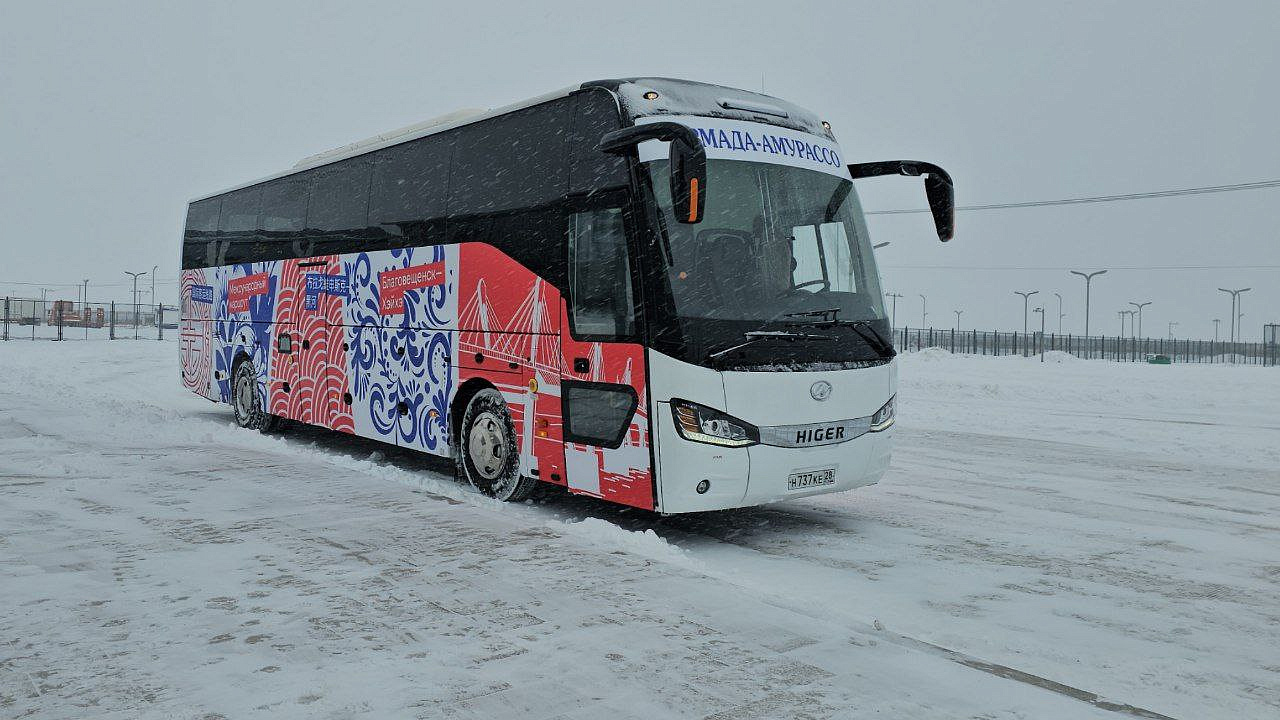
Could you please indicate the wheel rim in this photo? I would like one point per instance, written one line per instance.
(244, 395)
(487, 446)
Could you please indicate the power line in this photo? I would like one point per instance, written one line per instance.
(1203, 190)
(1066, 267)
(65, 284)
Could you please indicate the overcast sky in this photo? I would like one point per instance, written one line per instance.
(113, 115)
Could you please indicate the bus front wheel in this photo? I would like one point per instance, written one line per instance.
(488, 456)
(247, 402)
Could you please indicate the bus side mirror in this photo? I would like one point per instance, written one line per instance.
(938, 188)
(688, 163)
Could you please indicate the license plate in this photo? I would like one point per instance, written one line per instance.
(811, 479)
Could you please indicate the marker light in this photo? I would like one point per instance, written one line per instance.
(884, 417)
(651, 95)
(705, 425)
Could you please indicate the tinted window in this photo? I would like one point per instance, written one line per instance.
(237, 227)
(284, 206)
(338, 211)
(240, 210)
(599, 276)
(407, 196)
(202, 225)
(597, 413)
(283, 216)
(534, 238)
(510, 162)
(589, 169)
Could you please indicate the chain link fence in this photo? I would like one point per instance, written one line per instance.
(33, 319)
(1120, 349)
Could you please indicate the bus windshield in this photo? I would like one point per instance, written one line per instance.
(777, 245)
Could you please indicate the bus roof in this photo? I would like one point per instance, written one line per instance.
(674, 97)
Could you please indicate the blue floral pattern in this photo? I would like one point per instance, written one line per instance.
(403, 358)
(244, 332)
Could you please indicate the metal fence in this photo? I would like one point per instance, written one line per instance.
(1121, 349)
(30, 319)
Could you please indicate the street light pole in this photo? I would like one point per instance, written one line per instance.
(1139, 306)
(135, 275)
(1060, 315)
(1215, 328)
(924, 309)
(1041, 311)
(1171, 326)
(1240, 314)
(1026, 297)
(1235, 300)
(153, 287)
(1122, 313)
(958, 314)
(1088, 282)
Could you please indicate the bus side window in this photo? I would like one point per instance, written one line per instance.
(201, 233)
(600, 293)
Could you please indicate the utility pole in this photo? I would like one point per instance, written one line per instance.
(1026, 298)
(894, 321)
(1060, 315)
(1235, 315)
(1215, 328)
(135, 275)
(924, 310)
(1139, 306)
(958, 314)
(1088, 282)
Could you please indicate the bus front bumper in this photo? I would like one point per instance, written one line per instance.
(759, 474)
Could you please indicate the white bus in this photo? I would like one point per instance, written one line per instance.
(656, 292)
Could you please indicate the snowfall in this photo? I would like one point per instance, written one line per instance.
(1066, 539)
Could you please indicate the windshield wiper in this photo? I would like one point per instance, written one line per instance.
(826, 314)
(864, 328)
(756, 336)
(873, 337)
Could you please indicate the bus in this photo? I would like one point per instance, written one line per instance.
(657, 292)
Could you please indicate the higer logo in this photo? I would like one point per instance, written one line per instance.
(820, 434)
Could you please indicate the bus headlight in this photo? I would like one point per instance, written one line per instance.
(884, 417)
(700, 423)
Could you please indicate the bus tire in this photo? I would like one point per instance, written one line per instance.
(246, 403)
(488, 456)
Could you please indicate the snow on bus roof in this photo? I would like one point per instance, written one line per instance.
(686, 97)
(674, 97)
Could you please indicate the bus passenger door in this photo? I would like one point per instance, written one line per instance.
(311, 301)
(603, 389)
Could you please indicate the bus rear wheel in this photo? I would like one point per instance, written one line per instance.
(247, 402)
(488, 456)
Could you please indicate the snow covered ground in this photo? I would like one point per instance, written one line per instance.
(1062, 540)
